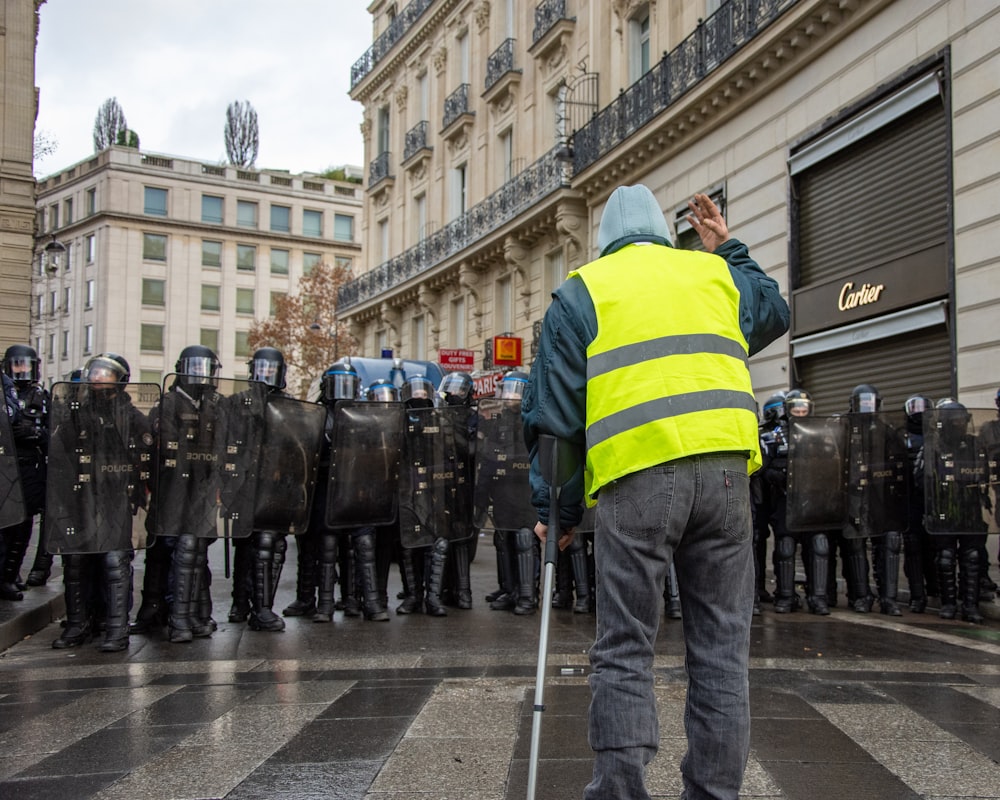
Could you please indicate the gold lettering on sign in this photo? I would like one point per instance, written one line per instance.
(852, 298)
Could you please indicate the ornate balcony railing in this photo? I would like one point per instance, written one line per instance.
(456, 104)
(384, 43)
(547, 14)
(416, 139)
(735, 24)
(500, 62)
(520, 193)
(379, 168)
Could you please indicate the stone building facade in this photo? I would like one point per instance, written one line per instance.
(852, 143)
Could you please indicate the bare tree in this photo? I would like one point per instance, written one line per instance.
(241, 133)
(45, 144)
(110, 121)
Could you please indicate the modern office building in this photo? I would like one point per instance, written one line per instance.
(854, 145)
(163, 252)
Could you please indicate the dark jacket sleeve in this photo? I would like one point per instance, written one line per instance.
(764, 313)
(555, 399)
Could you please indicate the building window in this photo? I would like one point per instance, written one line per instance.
(639, 45)
(241, 344)
(246, 257)
(67, 293)
(211, 253)
(88, 338)
(275, 296)
(463, 57)
(40, 307)
(211, 209)
(244, 301)
(155, 202)
(381, 341)
(53, 217)
(419, 338)
(343, 262)
(383, 240)
(210, 296)
(309, 262)
(151, 338)
(555, 271)
(210, 339)
(458, 322)
(154, 247)
(507, 154)
(458, 191)
(53, 302)
(89, 296)
(65, 345)
(51, 350)
(420, 216)
(343, 228)
(279, 262)
(312, 223)
(153, 292)
(68, 211)
(281, 218)
(246, 214)
(383, 130)
(88, 249)
(91, 202)
(150, 376)
(502, 319)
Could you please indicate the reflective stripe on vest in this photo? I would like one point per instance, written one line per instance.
(667, 373)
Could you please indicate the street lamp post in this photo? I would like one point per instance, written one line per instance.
(336, 343)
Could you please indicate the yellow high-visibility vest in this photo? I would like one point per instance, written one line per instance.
(667, 373)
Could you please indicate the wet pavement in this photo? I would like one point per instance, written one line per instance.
(845, 706)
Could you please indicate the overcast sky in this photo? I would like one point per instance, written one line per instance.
(175, 65)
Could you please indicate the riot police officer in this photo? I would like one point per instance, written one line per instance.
(104, 414)
(989, 438)
(918, 549)
(761, 497)
(31, 435)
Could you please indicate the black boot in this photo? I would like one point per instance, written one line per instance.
(242, 580)
(434, 562)
(304, 604)
(179, 627)
(372, 604)
(888, 568)
(819, 572)
(498, 547)
(581, 576)
(463, 581)
(262, 617)
(524, 543)
(969, 561)
(945, 560)
(152, 614)
(507, 597)
(41, 569)
(784, 574)
(913, 568)
(857, 568)
(327, 584)
(16, 539)
(348, 577)
(202, 623)
(117, 599)
(77, 630)
(412, 566)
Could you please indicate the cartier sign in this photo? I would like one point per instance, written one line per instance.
(865, 293)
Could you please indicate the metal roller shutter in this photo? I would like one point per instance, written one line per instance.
(915, 362)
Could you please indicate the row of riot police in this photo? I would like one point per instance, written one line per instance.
(921, 483)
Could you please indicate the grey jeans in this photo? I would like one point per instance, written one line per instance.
(698, 508)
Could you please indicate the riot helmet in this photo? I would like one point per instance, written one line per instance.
(340, 382)
(382, 391)
(198, 364)
(513, 385)
(952, 420)
(798, 403)
(914, 408)
(865, 399)
(417, 392)
(456, 389)
(20, 364)
(267, 365)
(107, 368)
(774, 408)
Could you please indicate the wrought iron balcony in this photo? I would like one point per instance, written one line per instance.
(398, 28)
(456, 104)
(500, 62)
(520, 193)
(735, 24)
(416, 140)
(378, 170)
(547, 14)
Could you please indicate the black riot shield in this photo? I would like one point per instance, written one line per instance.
(435, 487)
(12, 507)
(957, 472)
(988, 437)
(289, 459)
(876, 474)
(100, 467)
(209, 434)
(502, 490)
(364, 464)
(817, 476)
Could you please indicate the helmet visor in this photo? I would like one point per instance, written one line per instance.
(201, 368)
(22, 368)
(103, 370)
(512, 388)
(799, 407)
(340, 385)
(265, 370)
(867, 402)
(383, 393)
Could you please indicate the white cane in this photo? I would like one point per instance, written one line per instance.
(557, 464)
